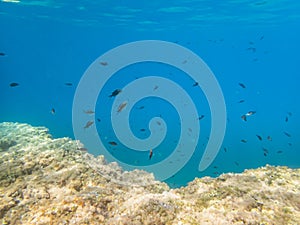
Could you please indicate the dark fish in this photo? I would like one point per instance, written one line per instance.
(215, 167)
(269, 138)
(287, 134)
(150, 154)
(265, 154)
(68, 84)
(155, 87)
(195, 84)
(286, 119)
(14, 84)
(141, 107)
(88, 112)
(259, 137)
(244, 141)
(225, 149)
(88, 124)
(115, 93)
(53, 111)
(2, 54)
(265, 150)
(113, 143)
(142, 129)
(251, 49)
(244, 117)
(104, 63)
(279, 151)
(290, 144)
(251, 43)
(241, 101)
(262, 37)
(289, 113)
(184, 62)
(242, 85)
(201, 117)
(82, 149)
(98, 120)
(236, 163)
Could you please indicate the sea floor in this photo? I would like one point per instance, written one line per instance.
(55, 181)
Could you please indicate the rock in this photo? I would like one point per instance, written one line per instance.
(51, 181)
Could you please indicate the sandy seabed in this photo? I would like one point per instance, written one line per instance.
(54, 181)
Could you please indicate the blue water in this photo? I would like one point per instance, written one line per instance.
(256, 43)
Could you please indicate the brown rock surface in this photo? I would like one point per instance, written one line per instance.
(52, 181)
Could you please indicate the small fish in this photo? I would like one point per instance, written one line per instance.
(265, 150)
(290, 144)
(68, 84)
(236, 163)
(141, 107)
(82, 149)
(251, 43)
(259, 137)
(262, 37)
(287, 134)
(279, 152)
(155, 87)
(201, 117)
(251, 49)
(242, 85)
(122, 106)
(286, 119)
(88, 124)
(98, 120)
(265, 154)
(244, 141)
(2, 54)
(113, 143)
(289, 114)
(90, 112)
(184, 62)
(195, 84)
(115, 93)
(150, 154)
(244, 117)
(269, 138)
(158, 123)
(52, 111)
(225, 149)
(241, 101)
(250, 113)
(14, 84)
(142, 129)
(104, 63)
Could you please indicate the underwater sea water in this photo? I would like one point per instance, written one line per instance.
(252, 48)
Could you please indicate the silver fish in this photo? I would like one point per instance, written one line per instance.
(88, 124)
(122, 106)
(250, 113)
(89, 112)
